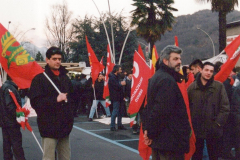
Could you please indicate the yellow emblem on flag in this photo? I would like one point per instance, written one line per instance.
(22, 59)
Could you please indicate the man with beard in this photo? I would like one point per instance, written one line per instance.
(209, 108)
(165, 120)
(116, 96)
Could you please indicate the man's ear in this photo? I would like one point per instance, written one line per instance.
(199, 68)
(165, 61)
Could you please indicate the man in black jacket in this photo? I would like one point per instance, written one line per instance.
(54, 110)
(99, 86)
(116, 96)
(165, 121)
(12, 136)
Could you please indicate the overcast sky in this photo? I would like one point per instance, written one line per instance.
(31, 13)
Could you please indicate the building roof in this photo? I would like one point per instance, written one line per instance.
(233, 24)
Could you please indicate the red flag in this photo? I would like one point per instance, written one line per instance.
(232, 50)
(96, 66)
(109, 69)
(141, 74)
(144, 150)
(192, 139)
(140, 51)
(101, 60)
(183, 89)
(190, 79)
(176, 41)
(16, 61)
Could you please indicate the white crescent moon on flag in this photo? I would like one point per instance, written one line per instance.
(136, 68)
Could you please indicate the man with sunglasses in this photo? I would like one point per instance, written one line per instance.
(54, 110)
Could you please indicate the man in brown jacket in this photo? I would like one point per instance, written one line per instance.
(209, 108)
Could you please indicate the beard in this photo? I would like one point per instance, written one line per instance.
(175, 68)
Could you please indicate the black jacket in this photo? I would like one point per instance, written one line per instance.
(8, 107)
(209, 107)
(55, 119)
(165, 116)
(99, 86)
(127, 91)
(115, 88)
(235, 103)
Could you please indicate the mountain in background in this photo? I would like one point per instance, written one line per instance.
(194, 42)
(33, 50)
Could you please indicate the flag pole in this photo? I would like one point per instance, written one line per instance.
(124, 46)
(95, 100)
(52, 84)
(37, 141)
(112, 57)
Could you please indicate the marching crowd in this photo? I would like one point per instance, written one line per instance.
(214, 108)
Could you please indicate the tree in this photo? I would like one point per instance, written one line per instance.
(39, 57)
(152, 18)
(223, 7)
(94, 30)
(58, 26)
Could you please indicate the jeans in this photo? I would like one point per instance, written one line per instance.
(212, 148)
(12, 141)
(94, 107)
(117, 112)
(61, 146)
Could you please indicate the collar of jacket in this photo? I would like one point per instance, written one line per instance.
(208, 84)
(11, 83)
(177, 76)
(62, 71)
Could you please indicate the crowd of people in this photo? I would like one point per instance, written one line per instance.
(214, 108)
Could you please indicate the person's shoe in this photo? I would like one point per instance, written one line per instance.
(112, 129)
(90, 119)
(103, 116)
(109, 116)
(121, 128)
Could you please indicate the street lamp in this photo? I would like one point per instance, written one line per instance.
(26, 32)
(210, 39)
(9, 24)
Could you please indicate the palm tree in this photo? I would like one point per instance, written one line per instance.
(223, 7)
(152, 18)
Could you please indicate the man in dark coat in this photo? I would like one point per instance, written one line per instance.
(209, 108)
(54, 110)
(165, 120)
(235, 110)
(116, 96)
(12, 136)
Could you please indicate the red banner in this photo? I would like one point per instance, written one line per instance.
(109, 69)
(141, 74)
(233, 52)
(16, 61)
(96, 66)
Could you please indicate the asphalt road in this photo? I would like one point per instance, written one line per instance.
(89, 141)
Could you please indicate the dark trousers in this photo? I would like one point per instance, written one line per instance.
(117, 112)
(12, 141)
(212, 148)
(166, 155)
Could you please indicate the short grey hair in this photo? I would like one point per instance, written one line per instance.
(165, 53)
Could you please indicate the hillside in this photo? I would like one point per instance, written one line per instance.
(194, 42)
